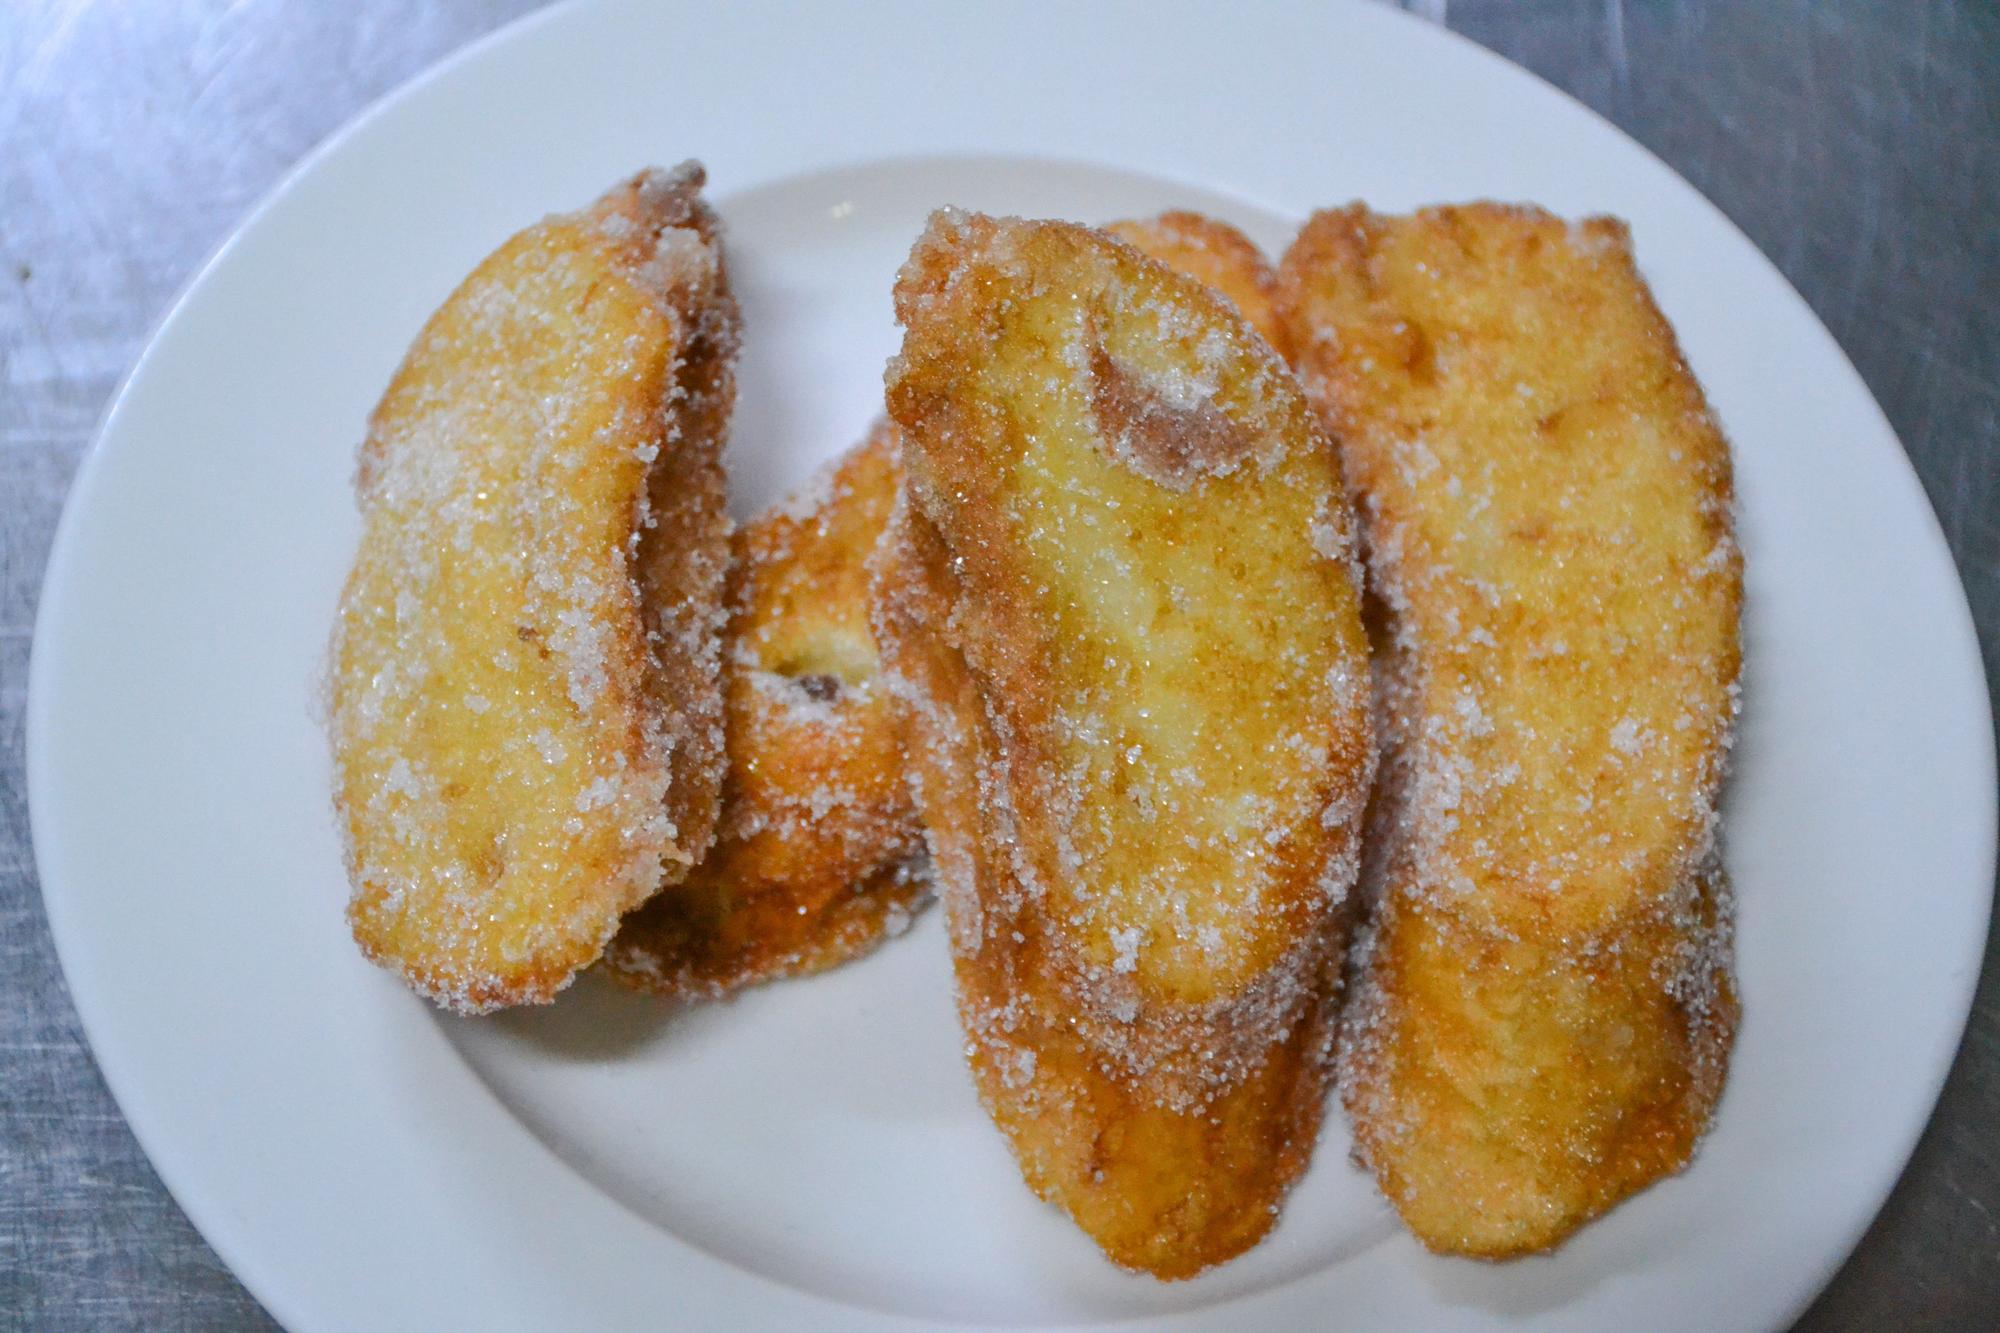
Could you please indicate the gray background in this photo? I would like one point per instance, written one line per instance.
(1858, 144)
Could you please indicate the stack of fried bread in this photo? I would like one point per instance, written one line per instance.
(1286, 679)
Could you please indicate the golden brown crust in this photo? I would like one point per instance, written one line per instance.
(1542, 1008)
(819, 856)
(683, 552)
(1120, 612)
(519, 756)
(1216, 254)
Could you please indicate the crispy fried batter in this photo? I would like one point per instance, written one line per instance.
(1215, 253)
(1543, 1009)
(1119, 607)
(525, 714)
(819, 855)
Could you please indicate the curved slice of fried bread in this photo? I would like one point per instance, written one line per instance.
(816, 859)
(1217, 254)
(521, 752)
(1543, 1010)
(1120, 609)
(819, 856)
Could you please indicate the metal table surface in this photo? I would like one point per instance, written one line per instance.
(1857, 143)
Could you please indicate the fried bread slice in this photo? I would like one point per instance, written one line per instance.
(1542, 1009)
(819, 855)
(1120, 608)
(525, 710)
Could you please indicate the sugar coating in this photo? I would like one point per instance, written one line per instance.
(1218, 255)
(818, 856)
(1119, 608)
(1541, 1007)
(523, 710)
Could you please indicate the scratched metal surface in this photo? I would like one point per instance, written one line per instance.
(1858, 144)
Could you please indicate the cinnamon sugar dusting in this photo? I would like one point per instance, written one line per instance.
(1164, 427)
(1119, 611)
(524, 705)
(1542, 1005)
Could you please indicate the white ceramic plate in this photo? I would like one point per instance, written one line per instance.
(812, 1155)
